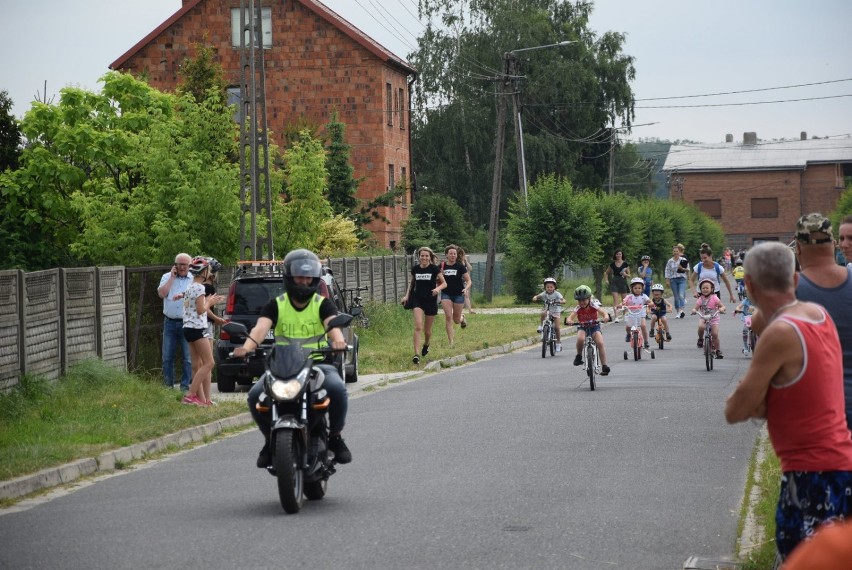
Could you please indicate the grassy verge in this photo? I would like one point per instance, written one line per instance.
(763, 482)
(91, 410)
(387, 346)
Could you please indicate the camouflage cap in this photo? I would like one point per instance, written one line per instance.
(814, 223)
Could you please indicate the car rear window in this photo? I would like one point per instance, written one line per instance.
(250, 296)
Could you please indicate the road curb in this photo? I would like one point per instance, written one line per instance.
(111, 460)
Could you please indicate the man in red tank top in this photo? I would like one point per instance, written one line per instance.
(795, 381)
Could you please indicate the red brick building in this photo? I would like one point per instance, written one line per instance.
(315, 62)
(757, 190)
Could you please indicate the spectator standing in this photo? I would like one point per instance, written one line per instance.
(617, 272)
(196, 305)
(676, 271)
(422, 294)
(452, 298)
(171, 288)
(795, 381)
(822, 281)
(845, 239)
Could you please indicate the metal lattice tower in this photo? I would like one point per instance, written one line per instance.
(255, 191)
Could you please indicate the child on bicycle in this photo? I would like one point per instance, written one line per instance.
(646, 272)
(745, 309)
(551, 294)
(709, 301)
(739, 275)
(636, 305)
(585, 311)
(659, 307)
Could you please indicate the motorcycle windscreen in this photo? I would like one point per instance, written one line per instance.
(286, 360)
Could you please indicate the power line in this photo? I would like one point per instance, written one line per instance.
(746, 90)
(743, 104)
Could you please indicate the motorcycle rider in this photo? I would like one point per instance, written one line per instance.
(301, 312)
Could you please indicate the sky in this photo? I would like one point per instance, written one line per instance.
(793, 57)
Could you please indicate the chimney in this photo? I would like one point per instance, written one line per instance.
(729, 138)
(803, 136)
(750, 138)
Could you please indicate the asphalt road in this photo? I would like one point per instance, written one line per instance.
(511, 462)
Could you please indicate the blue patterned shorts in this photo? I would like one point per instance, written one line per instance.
(808, 499)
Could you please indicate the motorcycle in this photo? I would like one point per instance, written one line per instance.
(294, 395)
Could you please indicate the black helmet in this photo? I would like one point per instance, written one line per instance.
(301, 263)
(215, 266)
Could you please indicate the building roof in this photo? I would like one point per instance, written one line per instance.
(784, 155)
(315, 6)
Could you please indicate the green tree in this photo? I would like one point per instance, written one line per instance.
(570, 95)
(442, 214)
(342, 184)
(128, 176)
(620, 231)
(559, 227)
(10, 134)
(201, 74)
(305, 207)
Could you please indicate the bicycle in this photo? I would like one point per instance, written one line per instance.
(751, 337)
(591, 355)
(740, 289)
(709, 349)
(637, 342)
(660, 333)
(356, 308)
(548, 332)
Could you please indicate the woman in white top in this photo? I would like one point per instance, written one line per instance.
(709, 269)
(196, 303)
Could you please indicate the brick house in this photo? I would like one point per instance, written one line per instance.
(757, 190)
(315, 62)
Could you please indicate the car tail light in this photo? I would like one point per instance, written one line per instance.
(232, 294)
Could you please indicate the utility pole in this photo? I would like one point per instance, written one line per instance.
(499, 143)
(611, 158)
(512, 70)
(255, 190)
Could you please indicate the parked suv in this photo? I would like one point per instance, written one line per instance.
(255, 284)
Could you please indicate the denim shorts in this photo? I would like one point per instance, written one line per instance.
(457, 299)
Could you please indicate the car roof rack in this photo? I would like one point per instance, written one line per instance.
(260, 267)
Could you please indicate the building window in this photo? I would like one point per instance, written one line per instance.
(712, 208)
(401, 108)
(265, 27)
(847, 174)
(764, 207)
(234, 98)
(389, 102)
(404, 180)
(391, 183)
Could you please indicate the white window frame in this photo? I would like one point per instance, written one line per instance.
(265, 27)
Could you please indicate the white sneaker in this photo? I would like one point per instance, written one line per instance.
(558, 347)
(538, 330)
(616, 320)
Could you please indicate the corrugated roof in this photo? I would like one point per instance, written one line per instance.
(786, 155)
(315, 6)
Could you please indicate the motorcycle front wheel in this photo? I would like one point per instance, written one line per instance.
(290, 477)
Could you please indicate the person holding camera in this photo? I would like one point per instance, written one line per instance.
(676, 271)
(172, 286)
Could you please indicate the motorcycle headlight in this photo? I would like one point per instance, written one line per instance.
(286, 390)
(289, 389)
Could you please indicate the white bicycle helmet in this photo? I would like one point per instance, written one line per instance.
(658, 287)
(637, 281)
(550, 280)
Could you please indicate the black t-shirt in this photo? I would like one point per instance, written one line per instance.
(454, 276)
(209, 289)
(270, 310)
(425, 279)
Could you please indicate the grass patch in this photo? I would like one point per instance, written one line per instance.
(95, 408)
(387, 346)
(765, 477)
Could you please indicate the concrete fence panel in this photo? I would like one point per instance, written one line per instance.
(112, 343)
(11, 335)
(80, 322)
(42, 330)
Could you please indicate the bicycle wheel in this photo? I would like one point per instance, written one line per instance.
(637, 346)
(363, 320)
(545, 339)
(552, 343)
(752, 341)
(591, 359)
(708, 352)
(661, 337)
